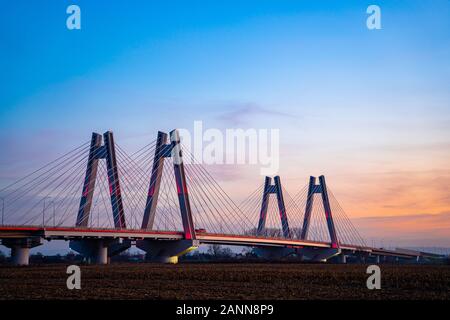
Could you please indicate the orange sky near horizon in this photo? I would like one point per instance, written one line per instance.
(405, 195)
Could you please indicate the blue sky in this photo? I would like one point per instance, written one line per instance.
(359, 104)
(298, 56)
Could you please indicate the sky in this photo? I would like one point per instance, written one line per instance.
(369, 109)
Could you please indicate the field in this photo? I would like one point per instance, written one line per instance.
(225, 281)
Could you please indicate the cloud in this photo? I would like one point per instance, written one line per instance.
(414, 229)
(394, 193)
(240, 114)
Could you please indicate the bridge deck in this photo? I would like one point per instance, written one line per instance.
(69, 233)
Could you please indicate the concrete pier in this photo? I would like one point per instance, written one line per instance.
(166, 251)
(99, 251)
(20, 249)
(101, 256)
(20, 256)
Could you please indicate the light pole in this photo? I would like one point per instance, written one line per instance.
(3, 209)
(53, 205)
(43, 211)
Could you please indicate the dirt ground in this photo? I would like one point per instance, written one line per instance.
(225, 281)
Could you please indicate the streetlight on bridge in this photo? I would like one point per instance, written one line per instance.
(3, 209)
(43, 210)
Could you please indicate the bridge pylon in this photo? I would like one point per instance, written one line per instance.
(98, 151)
(276, 189)
(98, 250)
(322, 189)
(274, 253)
(168, 251)
(166, 150)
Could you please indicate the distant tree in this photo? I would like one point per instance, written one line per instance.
(193, 254)
(215, 250)
(227, 253)
(246, 251)
(37, 257)
(70, 255)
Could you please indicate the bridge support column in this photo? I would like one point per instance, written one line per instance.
(99, 251)
(378, 260)
(20, 256)
(20, 249)
(362, 258)
(166, 251)
(342, 258)
(101, 256)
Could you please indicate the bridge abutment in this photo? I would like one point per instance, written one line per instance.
(166, 251)
(20, 249)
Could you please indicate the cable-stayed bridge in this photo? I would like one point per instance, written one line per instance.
(104, 200)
